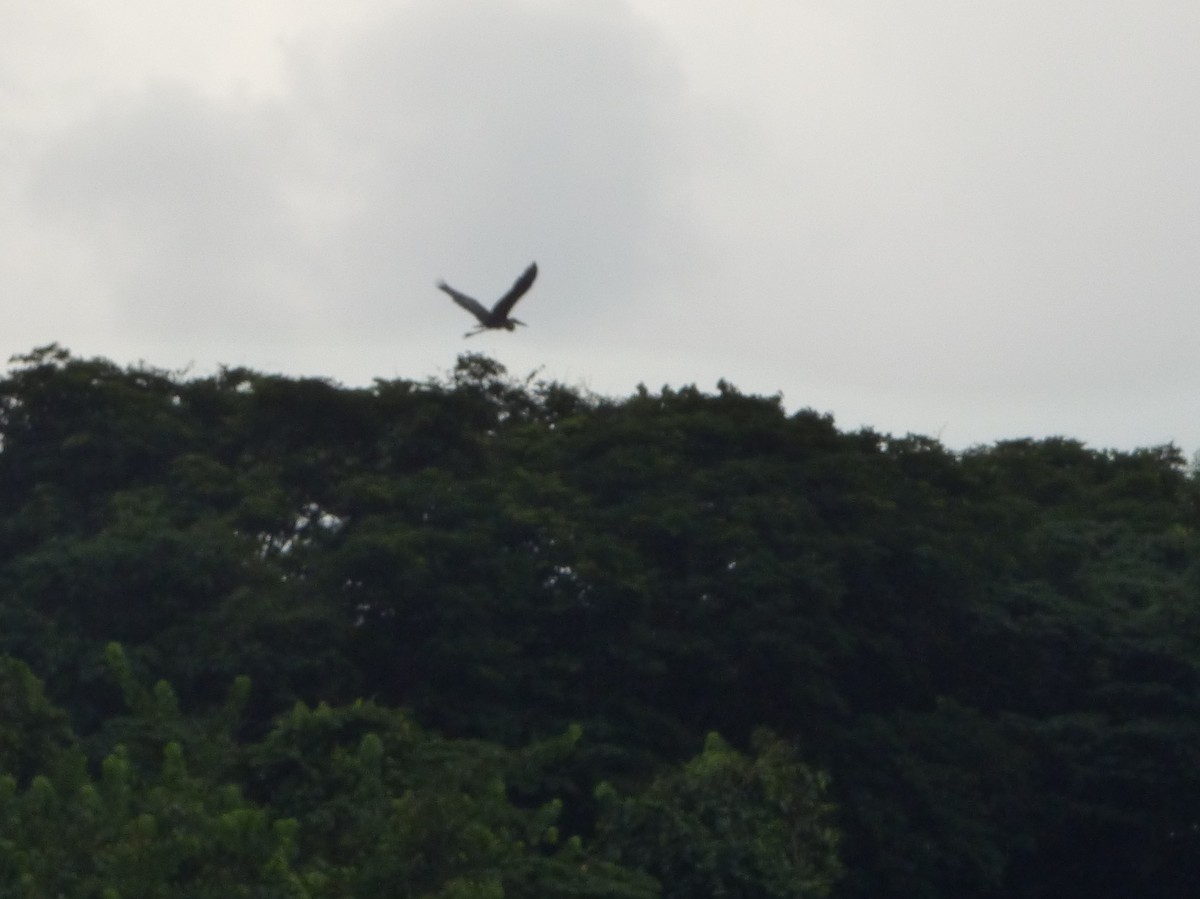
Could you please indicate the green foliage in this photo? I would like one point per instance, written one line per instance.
(387, 809)
(135, 833)
(993, 653)
(350, 801)
(728, 825)
(33, 731)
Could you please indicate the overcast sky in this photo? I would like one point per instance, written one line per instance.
(974, 221)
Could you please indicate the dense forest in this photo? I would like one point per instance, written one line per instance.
(482, 637)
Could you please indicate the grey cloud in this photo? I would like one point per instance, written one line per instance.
(911, 214)
(184, 205)
(444, 139)
(480, 135)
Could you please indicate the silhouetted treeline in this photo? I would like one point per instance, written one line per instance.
(514, 603)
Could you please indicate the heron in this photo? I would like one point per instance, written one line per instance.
(497, 316)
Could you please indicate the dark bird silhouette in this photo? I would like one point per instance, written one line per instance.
(497, 316)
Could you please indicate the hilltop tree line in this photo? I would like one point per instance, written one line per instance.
(480, 636)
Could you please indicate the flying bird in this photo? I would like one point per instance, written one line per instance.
(497, 316)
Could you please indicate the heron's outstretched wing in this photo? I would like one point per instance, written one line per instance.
(520, 286)
(471, 304)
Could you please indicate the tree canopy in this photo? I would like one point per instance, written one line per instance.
(475, 636)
